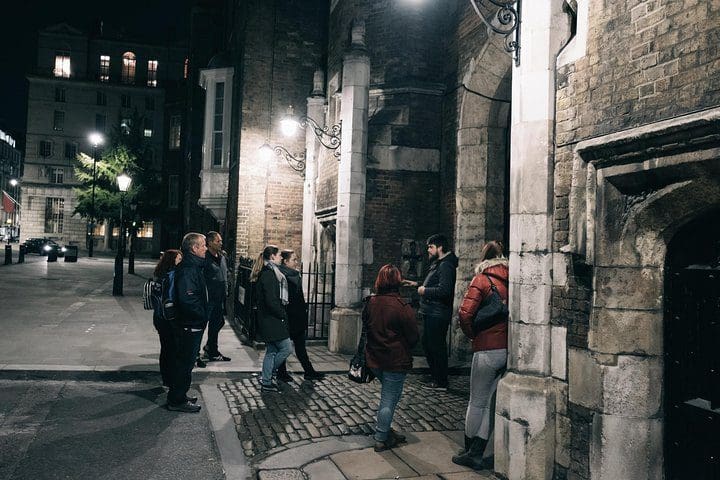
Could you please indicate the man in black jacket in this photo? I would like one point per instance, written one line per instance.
(192, 316)
(436, 304)
(216, 278)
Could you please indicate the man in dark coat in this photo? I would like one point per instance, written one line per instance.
(192, 316)
(436, 307)
(216, 277)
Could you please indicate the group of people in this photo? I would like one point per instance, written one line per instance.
(282, 315)
(198, 279)
(392, 332)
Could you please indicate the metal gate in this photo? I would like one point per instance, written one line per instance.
(319, 290)
(692, 362)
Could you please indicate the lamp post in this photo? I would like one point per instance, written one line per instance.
(123, 181)
(95, 139)
(14, 223)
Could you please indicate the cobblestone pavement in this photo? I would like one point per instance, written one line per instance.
(268, 423)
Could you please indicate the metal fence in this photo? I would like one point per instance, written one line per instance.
(319, 289)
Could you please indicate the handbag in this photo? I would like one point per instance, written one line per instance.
(492, 310)
(359, 372)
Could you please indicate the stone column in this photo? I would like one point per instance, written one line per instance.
(526, 399)
(316, 111)
(345, 317)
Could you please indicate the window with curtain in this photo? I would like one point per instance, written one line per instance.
(128, 67)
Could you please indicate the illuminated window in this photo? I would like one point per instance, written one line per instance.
(152, 73)
(125, 100)
(54, 214)
(217, 137)
(173, 191)
(57, 175)
(104, 68)
(128, 67)
(58, 121)
(186, 68)
(125, 126)
(60, 94)
(148, 127)
(45, 148)
(145, 230)
(175, 131)
(62, 65)
(101, 98)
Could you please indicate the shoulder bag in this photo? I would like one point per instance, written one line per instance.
(492, 310)
(359, 372)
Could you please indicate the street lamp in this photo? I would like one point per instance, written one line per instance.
(328, 136)
(96, 139)
(123, 182)
(15, 227)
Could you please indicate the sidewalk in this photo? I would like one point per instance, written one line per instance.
(61, 323)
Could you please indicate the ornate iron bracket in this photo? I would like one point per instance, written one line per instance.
(328, 136)
(296, 162)
(504, 21)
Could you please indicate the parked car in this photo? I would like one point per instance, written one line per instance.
(42, 246)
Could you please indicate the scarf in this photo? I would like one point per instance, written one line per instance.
(284, 293)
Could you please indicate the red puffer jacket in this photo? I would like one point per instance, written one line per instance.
(494, 337)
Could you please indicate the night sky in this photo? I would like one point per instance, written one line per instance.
(20, 20)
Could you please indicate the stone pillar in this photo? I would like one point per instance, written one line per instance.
(316, 111)
(526, 401)
(345, 317)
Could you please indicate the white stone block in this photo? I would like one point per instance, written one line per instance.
(530, 232)
(559, 352)
(530, 348)
(633, 388)
(530, 303)
(585, 379)
(627, 448)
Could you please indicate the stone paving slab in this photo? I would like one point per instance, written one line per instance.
(369, 465)
(323, 470)
(297, 455)
(429, 452)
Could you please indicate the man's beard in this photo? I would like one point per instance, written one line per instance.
(432, 258)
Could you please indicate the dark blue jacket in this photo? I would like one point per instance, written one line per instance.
(192, 295)
(440, 287)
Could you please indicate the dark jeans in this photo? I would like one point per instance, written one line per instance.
(435, 329)
(215, 324)
(168, 348)
(188, 347)
(300, 353)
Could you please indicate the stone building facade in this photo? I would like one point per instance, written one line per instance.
(594, 157)
(86, 83)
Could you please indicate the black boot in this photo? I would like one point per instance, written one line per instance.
(473, 457)
(468, 442)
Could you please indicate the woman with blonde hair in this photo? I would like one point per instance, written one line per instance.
(272, 295)
(489, 357)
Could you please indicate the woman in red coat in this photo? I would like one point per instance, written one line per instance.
(489, 357)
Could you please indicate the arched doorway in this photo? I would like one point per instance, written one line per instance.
(692, 351)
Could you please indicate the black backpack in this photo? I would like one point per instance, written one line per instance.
(160, 296)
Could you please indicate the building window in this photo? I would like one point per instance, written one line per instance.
(100, 122)
(101, 98)
(173, 191)
(58, 120)
(125, 100)
(145, 230)
(45, 149)
(104, 68)
(54, 214)
(57, 175)
(175, 130)
(128, 67)
(125, 126)
(148, 127)
(217, 135)
(70, 150)
(59, 94)
(62, 65)
(149, 103)
(152, 73)
(186, 68)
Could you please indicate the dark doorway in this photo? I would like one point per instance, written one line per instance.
(692, 351)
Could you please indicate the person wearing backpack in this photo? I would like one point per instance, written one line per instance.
(164, 275)
(490, 354)
(191, 303)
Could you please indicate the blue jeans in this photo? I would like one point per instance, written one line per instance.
(392, 387)
(275, 354)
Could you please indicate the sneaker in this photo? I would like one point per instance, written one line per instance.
(218, 358)
(186, 407)
(191, 399)
(270, 387)
(285, 377)
(314, 375)
(434, 386)
(200, 363)
(399, 438)
(391, 442)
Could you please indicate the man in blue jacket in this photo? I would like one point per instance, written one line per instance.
(192, 317)
(436, 306)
